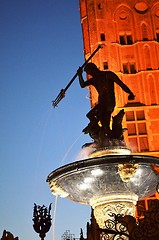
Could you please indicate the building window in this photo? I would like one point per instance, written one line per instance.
(131, 129)
(129, 68)
(137, 115)
(130, 116)
(122, 40)
(102, 37)
(126, 39)
(99, 6)
(125, 68)
(143, 143)
(132, 68)
(137, 132)
(140, 115)
(147, 57)
(144, 32)
(105, 65)
(133, 143)
(152, 90)
(129, 40)
(157, 36)
(141, 128)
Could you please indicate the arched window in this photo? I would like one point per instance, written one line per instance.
(125, 39)
(144, 32)
(152, 91)
(147, 58)
(124, 25)
(155, 20)
(157, 35)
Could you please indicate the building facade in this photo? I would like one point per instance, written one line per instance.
(129, 31)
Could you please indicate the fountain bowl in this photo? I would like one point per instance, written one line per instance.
(107, 183)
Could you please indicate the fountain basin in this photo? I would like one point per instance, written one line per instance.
(101, 181)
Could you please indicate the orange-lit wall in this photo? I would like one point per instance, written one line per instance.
(130, 32)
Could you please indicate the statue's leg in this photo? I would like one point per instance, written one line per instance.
(105, 121)
(92, 114)
(106, 109)
(93, 117)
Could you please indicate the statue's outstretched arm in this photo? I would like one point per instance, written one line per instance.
(124, 87)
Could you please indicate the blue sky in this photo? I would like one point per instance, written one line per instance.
(40, 50)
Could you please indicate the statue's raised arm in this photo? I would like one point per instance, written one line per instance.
(61, 95)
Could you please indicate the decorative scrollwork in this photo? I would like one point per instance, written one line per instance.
(115, 230)
(127, 228)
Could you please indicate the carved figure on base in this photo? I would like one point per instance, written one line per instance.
(117, 129)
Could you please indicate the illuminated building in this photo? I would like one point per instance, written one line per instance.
(130, 32)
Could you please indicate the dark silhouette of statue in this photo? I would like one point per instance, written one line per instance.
(42, 220)
(103, 81)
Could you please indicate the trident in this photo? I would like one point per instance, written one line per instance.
(63, 91)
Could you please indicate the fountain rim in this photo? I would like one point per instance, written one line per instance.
(97, 161)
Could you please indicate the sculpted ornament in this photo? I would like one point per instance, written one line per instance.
(127, 228)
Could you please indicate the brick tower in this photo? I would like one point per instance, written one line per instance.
(130, 32)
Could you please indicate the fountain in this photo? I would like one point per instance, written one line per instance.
(110, 184)
(111, 180)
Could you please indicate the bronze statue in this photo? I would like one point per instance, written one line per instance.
(103, 81)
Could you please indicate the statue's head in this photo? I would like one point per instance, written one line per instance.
(90, 68)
